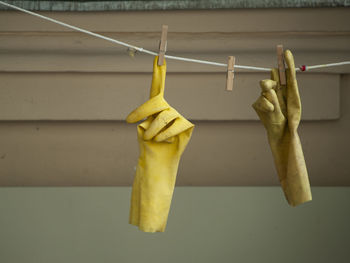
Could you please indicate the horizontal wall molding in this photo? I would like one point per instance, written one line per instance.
(118, 61)
(73, 52)
(325, 19)
(219, 154)
(106, 96)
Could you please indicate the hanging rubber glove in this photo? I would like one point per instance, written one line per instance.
(279, 109)
(162, 138)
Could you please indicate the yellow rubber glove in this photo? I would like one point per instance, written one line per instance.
(279, 109)
(162, 138)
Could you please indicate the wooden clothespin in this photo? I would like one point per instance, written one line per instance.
(281, 66)
(230, 73)
(162, 45)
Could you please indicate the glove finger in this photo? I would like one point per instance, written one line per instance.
(180, 125)
(158, 78)
(262, 104)
(150, 107)
(267, 85)
(275, 76)
(288, 57)
(145, 124)
(269, 93)
(160, 122)
(280, 90)
(293, 99)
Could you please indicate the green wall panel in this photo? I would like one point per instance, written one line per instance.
(206, 224)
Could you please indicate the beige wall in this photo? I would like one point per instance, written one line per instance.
(64, 96)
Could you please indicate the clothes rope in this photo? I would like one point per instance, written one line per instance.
(140, 49)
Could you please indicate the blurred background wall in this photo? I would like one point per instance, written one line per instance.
(63, 100)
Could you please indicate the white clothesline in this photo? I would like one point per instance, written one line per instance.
(140, 49)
